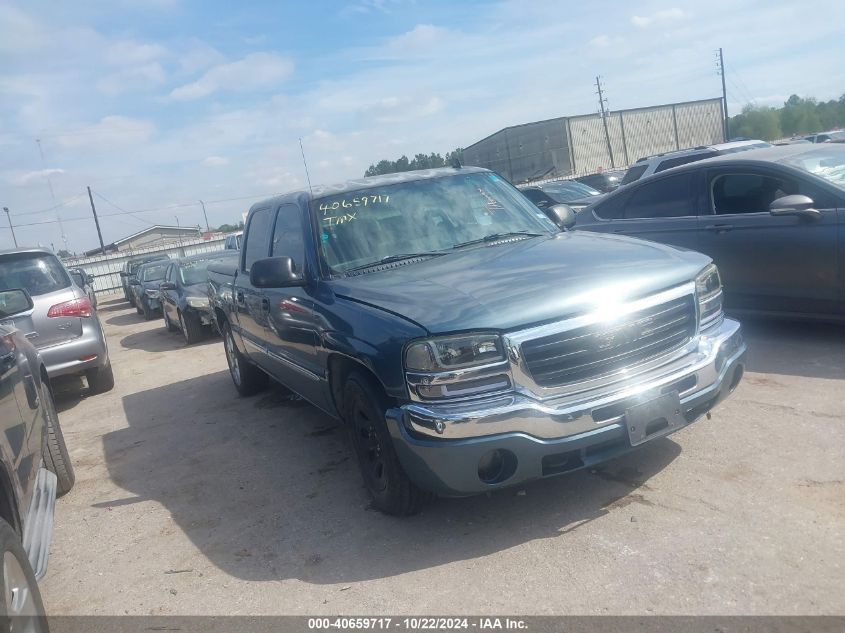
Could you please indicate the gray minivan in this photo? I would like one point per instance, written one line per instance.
(62, 324)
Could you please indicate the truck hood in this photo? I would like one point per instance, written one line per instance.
(511, 286)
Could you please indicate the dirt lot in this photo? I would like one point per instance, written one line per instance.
(191, 501)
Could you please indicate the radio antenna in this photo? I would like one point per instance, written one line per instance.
(305, 162)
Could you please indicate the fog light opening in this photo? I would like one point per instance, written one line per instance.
(496, 466)
(736, 378)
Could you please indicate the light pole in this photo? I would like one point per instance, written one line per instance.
(9, 217)
(207, 225)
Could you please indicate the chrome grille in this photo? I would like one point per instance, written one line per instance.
(599, 349)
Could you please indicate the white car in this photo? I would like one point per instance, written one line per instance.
(661, 162)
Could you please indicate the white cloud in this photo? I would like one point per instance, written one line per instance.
(133, 78)
(659, 18)
(111, 132)
(130, 52)
(258, 71)
(20, 31)
(36, 176)
(215, 161)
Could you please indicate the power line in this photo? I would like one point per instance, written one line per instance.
(121, 209)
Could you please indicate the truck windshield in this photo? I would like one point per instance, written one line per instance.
(195, 272)
(430, 215)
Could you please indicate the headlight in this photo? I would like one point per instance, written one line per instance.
(708, 290)
(456, 367)
(152, 294)
(198, 302)
(439, 354)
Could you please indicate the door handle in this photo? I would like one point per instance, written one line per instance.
(719, 228)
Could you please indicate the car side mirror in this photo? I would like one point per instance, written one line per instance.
(14, 302)
(794, 205)
(275, 272)
(167, 285)
(562, 215)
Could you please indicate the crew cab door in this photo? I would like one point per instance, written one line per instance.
(662, 209)
(293, 323)
(784, 263)
(251, 304)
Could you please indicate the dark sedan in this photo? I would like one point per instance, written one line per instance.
(184, 294)
(35, 468)
(144, 287)
(576, 194)
(772, 219)
(603, 181)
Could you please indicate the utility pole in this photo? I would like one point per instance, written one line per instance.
(207, 225)
(9, 217)
(52, 194)
(720, 67)
(97, 222)
(602, 102)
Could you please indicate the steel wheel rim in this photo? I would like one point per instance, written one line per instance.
(232, 358)
(370, 449)
(19, 593)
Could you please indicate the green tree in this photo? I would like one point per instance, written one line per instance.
(797, 116)
(757, 122)
(420, 161)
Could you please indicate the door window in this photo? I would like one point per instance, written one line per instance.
(748, 193)
(257, 237)
(287, 236)
(669, 197)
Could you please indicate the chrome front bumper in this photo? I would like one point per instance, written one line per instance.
(716, 358)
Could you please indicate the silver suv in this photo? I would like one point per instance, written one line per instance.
(661, 162)
(62, 324)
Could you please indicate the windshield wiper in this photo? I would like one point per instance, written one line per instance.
(495, 237)
(395, 258)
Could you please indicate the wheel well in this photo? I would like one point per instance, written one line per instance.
(339, 368)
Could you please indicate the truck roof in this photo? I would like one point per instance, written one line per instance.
(320, 191)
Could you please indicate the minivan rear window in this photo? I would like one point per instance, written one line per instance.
(37, 273)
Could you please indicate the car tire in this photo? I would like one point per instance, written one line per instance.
(247, 378)
(56, 457)
(22, 604)
(170, 327)
(390, 488)
(146, 310)
(191, 327)
(100, 379)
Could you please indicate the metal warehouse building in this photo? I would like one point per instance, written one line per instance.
(578, 145)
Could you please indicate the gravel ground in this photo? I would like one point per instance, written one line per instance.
(190, 500)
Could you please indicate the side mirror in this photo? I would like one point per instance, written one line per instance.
(275, 272)
(794, 205)
(562, 215)
(167, 285)
(14, 302)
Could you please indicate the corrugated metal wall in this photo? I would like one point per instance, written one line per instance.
(525, 152)
(106, 268)
(578, 145)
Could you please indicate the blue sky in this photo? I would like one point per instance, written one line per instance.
(158, 103)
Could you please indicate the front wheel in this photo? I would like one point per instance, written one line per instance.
(55, 454)
(391, 490)
(146, 310)
(191, 327)
(248, 379)
(24, 610)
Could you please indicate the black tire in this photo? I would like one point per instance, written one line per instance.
(391, 490)
(56, 457)
(131, 300)
(100, 379)
(246, 377)
(167, 323)
(191, 327)
(146, 310)
(27, 613)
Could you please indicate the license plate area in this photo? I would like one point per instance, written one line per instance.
(654, 418)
